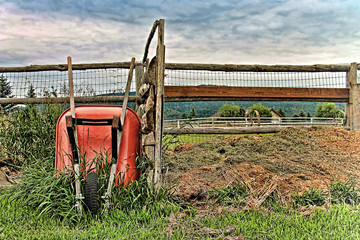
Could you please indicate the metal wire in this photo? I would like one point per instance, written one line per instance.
(255, 79)
(90, 82)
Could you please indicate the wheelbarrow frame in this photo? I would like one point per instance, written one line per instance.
(116, 136)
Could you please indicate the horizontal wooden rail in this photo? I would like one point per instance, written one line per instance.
(211, 93)
(94, 99)
(190, 66)
(237, 130)
(222, 93)
(260, 68)
(64, 67)
(234, 130)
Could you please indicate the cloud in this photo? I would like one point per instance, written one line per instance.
(45, 39)
(264, 32)
(279, 32)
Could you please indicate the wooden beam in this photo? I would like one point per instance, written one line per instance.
(189, 66)
(260, 68)
(64, 67)
(232, 130)
(94, 99)
(222, 93)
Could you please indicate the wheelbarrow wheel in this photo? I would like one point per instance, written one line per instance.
(91, 192)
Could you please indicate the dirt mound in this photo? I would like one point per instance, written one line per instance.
(290, 161)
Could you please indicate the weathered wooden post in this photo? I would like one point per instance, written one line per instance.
(139, 73)
(159, 112)
(353, 106)
(150, 91)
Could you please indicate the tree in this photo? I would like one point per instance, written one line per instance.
(5, 92)
(281, 111)
(232, 110)
(302, 113)
(31, 92)
(328, 110)
(192, 113)
(263, 111)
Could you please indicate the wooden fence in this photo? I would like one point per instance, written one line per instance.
(349, 95)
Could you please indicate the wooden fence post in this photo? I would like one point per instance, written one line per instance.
(353, 106)
(139, 72)
(159, 112)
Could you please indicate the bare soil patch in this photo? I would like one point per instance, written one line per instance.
(290, 161)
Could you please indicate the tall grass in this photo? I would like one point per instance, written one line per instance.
(28, 133)
(29, 139)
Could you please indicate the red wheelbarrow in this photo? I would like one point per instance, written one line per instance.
(85, 131)
(97, 133)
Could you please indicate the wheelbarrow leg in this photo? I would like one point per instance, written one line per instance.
(71, 128)
(117, 125)
(116, 134)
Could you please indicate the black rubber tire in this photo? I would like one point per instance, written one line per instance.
(91, 192)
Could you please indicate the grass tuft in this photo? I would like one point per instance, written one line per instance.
(234, 194)
(344, 192)
(311, 197)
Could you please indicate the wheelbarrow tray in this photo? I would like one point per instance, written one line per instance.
(95, 140)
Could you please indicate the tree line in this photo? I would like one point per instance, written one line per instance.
(233, 110)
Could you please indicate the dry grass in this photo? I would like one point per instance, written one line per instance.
(291, 161)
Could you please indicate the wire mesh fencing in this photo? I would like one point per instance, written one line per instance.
(89, 82)
(255, 79)
(112, 81)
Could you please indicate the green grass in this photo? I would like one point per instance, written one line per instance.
(29, 133)
(172, 140)
(312, 197)
(19, 221)
(234, 194)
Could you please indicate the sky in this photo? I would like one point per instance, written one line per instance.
(196, 31)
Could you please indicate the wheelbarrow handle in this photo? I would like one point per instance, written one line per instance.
(119, 133)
